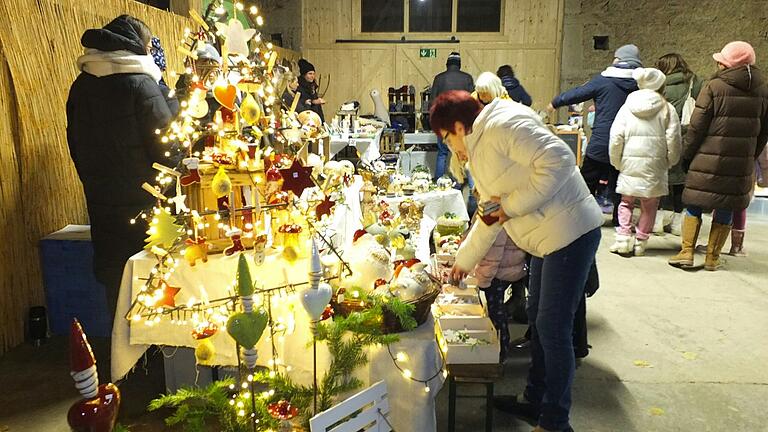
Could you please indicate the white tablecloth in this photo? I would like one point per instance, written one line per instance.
(367, 148)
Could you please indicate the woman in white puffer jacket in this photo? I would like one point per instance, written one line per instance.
(645, 144)
(547, 210)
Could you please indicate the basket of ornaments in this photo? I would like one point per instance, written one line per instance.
(385, 269)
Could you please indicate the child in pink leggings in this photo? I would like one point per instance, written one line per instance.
(645, 143)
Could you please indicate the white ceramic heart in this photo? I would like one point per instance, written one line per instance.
(315, 300)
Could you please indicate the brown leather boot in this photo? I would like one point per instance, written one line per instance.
(718, 234)
(737, 243)
(688, 237)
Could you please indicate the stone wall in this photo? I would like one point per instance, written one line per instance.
(693, 28)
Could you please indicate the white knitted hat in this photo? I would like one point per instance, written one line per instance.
(649, 78)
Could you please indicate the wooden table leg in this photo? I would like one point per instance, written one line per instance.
(451, 404)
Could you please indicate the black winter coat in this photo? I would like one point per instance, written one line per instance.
(453, 78)
(308, 90)
(515, 90)
(111, 123)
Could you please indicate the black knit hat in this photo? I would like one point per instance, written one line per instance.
(305, 66)
(453, 59)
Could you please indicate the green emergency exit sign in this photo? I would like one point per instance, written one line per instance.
(428, 53)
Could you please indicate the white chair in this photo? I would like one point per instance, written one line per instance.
(366, 411)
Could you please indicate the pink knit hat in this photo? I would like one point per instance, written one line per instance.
(736, 53)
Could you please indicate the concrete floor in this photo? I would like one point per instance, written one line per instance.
(673, 351)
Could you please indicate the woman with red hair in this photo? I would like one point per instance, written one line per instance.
(547, 210)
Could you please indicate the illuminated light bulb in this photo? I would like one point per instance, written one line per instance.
(426, 388)
(260, 20)
(173, 73)
(272, 374)
(188, 70)
(239, 6)
(245, 385)
(220, 11)
(164, 140)
(250, 378)
(288, 368)
(232, 402)
(133, 221)
(254, 10)
(407, 373)
(445, 373)
(184, 104)
(241, 413)
(240, 404)
(157, 131)
(271, 392)
(246, 395)
(269, 45)
(401, 357)
(172, 92)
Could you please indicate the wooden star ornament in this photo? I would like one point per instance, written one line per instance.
(324, 208)
(169, 294)
(297, 177)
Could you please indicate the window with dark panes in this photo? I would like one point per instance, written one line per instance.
(479, 16)
(382, 16)
(430, 15)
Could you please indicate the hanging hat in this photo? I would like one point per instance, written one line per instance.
(649, 78)
(208, 52)
(454, 58)
(736, 53)
(305, 66)
(629, 54)
(80, 354)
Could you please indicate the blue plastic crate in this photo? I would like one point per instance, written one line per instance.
(71, 289)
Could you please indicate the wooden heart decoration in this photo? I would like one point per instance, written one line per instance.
(98, 414)
(246, 328)
(315, 300)
(226, 95)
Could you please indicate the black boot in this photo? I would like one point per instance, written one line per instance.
(518, 408)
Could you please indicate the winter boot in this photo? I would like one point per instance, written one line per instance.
(676, 226)
(737, 243)
(640, 247)
(690, 233)
(718, 234)
(623, 245)
(658, 224)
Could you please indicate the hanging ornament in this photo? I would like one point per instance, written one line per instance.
(236, 37)
(167, 299)
(163, 231)
(97, 411)
(193, 175)
(324, 208)
(316, 298)
(205, 352)
(250, 110)
(290, 234)
(259, 248)
(235, 235)
(196, 250)
(226, 95)
(221, 185)
(296, 178)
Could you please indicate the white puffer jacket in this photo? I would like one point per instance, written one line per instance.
(645, 144)
(514, 156)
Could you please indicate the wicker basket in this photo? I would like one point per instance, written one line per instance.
(390, 323)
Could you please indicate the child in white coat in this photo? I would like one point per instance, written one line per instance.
(645, 143)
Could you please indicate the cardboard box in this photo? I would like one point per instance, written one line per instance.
(458, 353)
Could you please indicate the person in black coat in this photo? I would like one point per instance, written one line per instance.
(452, 78)
(308, 88)
(291, 84)
(515, 90)
(114, 107)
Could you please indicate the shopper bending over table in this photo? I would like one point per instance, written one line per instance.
(547, 210)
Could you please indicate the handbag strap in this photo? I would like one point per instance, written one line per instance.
(690, 88)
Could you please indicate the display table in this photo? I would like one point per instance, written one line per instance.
(436, 203)
(367, 148)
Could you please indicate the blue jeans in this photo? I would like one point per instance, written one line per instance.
(556, 287)
(443, 155)
(721, 216)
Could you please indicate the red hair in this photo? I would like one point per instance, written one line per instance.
(451, 107)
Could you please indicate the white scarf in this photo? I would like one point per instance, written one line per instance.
(104, 63)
